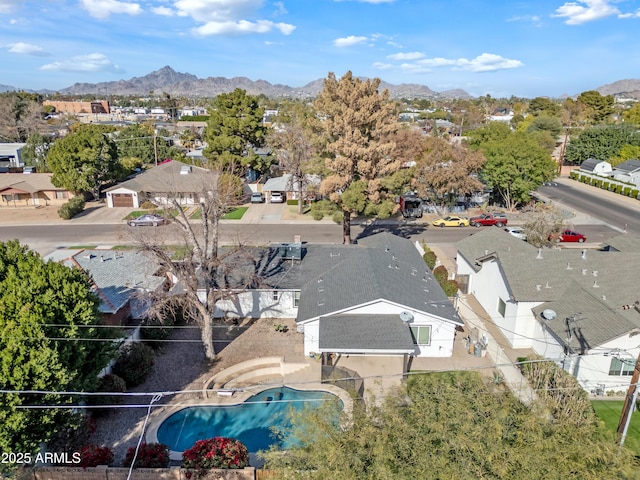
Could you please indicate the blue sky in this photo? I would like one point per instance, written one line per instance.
(523, 48)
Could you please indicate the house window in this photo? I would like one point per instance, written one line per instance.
(61, 194)
(621, 367)
(296, 299)
(421, 335)
(275, 295)
(502, 307)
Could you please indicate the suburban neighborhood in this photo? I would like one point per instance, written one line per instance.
(190, 262)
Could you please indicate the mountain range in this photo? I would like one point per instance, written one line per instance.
(175, 83)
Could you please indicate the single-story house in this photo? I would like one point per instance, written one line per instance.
(289, 186)
(119, 278)
(628, 171)
(21, 190)
(598, 167)
(375, 299)
(160, 185)
(577, 307)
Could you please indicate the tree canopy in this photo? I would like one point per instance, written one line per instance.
(21, 114)
(599, 107)
(357, 120)
(48, 319)
(142, 142)
(600, 142)
(84, 160)
(516, 162)
(234, 131)
(450, 426)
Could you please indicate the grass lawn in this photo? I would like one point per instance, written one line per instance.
(609, 412)
(235, 214)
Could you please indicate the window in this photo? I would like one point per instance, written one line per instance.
(621, 367)
(61, 194)
(275, 295)
(502, 307)
(296, 299)
(421, 335)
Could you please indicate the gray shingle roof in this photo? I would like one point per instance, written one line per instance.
(561, 276)
(583, 314)
(166, 178)
(383, 266)
(589, 164)
(364, 332)
(118, 275)
(627, 167)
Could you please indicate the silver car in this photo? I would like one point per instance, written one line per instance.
(517, 232)
(148, 219)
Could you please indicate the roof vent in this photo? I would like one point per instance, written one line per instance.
(538, 287)
(185, 169)
(584, 271)
(539, 256)
(595, 284)
(406, 316)
(569, 267)
(595, 273)
(549, 314)
(584, 255)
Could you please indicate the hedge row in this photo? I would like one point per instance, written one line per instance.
(606, 184)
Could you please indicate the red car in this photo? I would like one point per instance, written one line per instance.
(568, 236)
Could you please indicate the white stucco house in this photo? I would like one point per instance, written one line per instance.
(599, 167)
(628, 171)
(161, 184)
(577, 307)
(377, 298)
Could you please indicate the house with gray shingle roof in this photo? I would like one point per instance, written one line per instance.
(119, 277)
(374, 298)
(599, 167)
(162, 184)
(577, 307)
(628, 171)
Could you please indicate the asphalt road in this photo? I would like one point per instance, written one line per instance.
(610, 208)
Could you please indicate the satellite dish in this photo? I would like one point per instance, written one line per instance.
(549, 314)
(406, 316)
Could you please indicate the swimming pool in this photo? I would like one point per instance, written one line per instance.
(249, 422)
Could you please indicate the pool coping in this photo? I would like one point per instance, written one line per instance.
(239, 396)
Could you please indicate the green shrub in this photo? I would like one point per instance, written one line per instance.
(134, 363)
(430, 259)
(109, 383)
(634, 193)
(156, 328)
(450, 287)
(150, 455)
(573, 174)
(148, 205)
(605, 185)
(292, 202)
(323, 208)
(71, 208)
(626, 191)
(618, 188)
(337, 217)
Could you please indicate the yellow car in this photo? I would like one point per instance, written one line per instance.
(451, 222)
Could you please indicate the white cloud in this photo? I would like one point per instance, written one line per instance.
(229, 17)
(383, 66)
(7, 6)
(164, 11)
(487, 62)
(242, 27)
(585, 11)
(27, 49)
(280, 8)
(104, 8)
(349, 41)
(94, 62)
(406, 56)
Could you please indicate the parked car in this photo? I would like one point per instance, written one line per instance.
(148, 219)
(450, 221)
(517, 232)
(497, 219)
(567, 236)
(277, 197)
(257, 197)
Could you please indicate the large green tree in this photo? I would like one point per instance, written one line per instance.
(451, 426)
(601, 143)
(85, 160)
(632, 115)
(357, 120)
(142, 141)
(36, 150)
(50, 342)
(234, 131)
(599, 107)
(516, 164)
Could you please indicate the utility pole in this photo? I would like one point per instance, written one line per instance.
(629, 403)
(155, 146)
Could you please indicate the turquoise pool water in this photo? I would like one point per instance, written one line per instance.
(250, 422)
